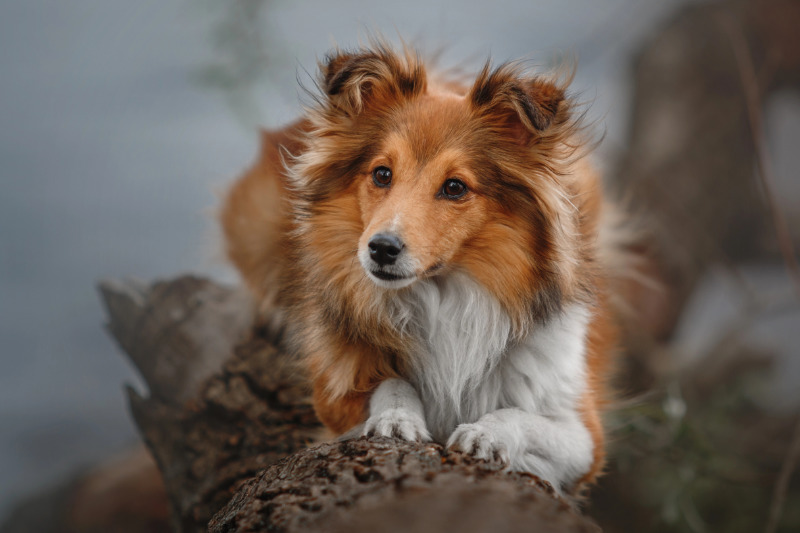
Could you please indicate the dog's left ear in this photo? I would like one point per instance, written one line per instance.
(525, 107)
(354, 81)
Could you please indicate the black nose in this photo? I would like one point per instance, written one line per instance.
(384, 248)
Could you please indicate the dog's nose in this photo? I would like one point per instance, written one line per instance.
(384, 248)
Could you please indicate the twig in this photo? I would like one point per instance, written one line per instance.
(750, 86)
(782, 485)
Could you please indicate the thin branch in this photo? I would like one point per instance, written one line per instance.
(751, 92)
(782, 485)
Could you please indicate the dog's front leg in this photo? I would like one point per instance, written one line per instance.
(395, 410)
(555, 448)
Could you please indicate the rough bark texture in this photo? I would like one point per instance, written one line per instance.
(213, 432)
(387, 485)
(208, 424)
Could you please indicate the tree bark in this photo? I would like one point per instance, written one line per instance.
(383, 484)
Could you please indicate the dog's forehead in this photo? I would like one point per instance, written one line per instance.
(432, 124)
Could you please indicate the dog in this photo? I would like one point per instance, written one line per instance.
(435, 251)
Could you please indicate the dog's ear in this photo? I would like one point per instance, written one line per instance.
(526, 107)
(354, 81)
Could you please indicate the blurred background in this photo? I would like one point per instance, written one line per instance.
(120, 122)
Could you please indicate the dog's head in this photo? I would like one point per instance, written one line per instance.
(430, 177)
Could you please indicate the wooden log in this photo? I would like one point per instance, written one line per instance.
(382, 484)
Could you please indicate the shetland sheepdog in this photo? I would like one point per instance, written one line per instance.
(434, 250)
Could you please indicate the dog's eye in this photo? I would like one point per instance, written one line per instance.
(453, 189)
(382, 176)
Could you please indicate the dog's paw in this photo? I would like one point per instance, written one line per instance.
(399, 423)
(479, 441)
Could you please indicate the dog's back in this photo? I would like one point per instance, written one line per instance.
(256, 215)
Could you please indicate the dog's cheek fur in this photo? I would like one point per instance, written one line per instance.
(524, 254)
(499, 259)
(333, 279)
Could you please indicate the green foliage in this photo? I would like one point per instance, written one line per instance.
(699, 456)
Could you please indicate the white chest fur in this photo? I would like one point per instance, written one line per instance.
(467, 364)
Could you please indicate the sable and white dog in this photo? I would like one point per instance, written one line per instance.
(434, 249)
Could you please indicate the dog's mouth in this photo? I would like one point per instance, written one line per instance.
(388, 276)
(390, 280)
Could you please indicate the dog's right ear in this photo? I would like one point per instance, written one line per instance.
(355, 81)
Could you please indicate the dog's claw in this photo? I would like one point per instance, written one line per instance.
(397, 423)
(479, 442)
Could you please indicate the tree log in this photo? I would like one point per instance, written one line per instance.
(229, 426)
(388, 485)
